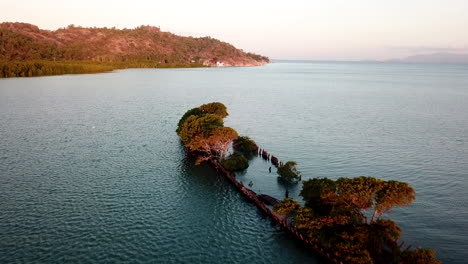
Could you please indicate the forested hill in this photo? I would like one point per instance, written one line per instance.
(26, 42)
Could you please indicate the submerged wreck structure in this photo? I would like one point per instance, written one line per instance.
(333, 221)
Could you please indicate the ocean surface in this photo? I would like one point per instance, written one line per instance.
(91, 170)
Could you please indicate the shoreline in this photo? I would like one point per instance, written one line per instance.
(18, 69)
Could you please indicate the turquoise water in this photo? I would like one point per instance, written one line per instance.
(91, 169)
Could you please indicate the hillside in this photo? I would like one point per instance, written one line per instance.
(21, 42)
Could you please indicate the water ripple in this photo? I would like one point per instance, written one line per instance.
(91, 170)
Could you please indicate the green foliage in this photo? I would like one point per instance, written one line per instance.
(43, 68)
(245, 145)
(202, 131)
(357, 194)
(343, 226)
(89, 48)
(306, 221)
(383, 232)
(419, 256)
(334, 215)
(349, 248)
(286, 207)
(215, 108)
(210, 121)
(235, 162)
(393, 193)
(194, 111)
(198, 126)
(288, 172)
(318, 190)
(17, 47)
(353, 243)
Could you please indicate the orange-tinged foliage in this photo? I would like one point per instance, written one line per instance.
(358, 194)
(419, 256)
(217, 142)
(288, 172)
(343, 225)
(198, 126)
(202, 131)
(334, 215)
(286, 207)
(25, 42)
(216, 108)
(394, 193)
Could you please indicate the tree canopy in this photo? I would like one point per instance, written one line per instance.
(391, 194)
(419, 256)
(21, 42)
(357, 194)
(235, 162)
(202, 131)
(335, 216)
(215, 108)
(245, 145)
(286, 207)
(288, 172)
(335, 211)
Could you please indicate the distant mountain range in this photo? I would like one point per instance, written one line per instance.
(435, 58)
(26, 42)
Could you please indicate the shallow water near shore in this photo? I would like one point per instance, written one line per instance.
(91, 169)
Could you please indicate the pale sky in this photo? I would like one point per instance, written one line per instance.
(295, 29)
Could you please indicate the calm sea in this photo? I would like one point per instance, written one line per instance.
(91, 169)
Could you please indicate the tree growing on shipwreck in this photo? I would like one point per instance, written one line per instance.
(288, 172)
(343, 215)
(202, 131)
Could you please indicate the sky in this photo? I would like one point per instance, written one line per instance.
(294, 29)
